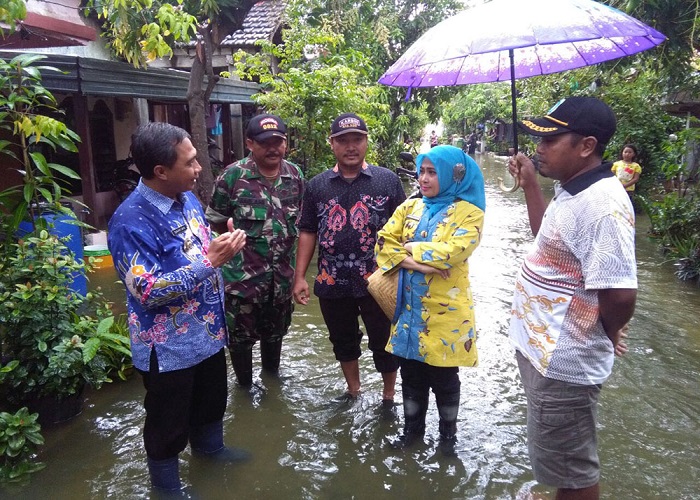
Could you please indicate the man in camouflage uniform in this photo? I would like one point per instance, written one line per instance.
(262, 194)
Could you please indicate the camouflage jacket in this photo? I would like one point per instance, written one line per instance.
(264, 269)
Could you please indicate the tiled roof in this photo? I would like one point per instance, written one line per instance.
(261, 23)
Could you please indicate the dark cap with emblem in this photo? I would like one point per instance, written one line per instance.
(263, 127)
(587, 116)
(346, 123)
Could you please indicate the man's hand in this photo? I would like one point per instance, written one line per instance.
(224, 247)
(621, 347)
(522, 167)
(300, 290)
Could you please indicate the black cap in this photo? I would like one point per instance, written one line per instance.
(263, 127)
(587, 116)
(346, 123)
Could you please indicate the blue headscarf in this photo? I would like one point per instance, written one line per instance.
(459, 177)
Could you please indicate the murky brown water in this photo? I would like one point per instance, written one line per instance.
(306, 447)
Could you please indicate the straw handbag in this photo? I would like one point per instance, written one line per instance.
(384, 288)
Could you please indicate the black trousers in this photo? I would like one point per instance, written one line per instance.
(418, 378)
(342, 320)
(179, 400)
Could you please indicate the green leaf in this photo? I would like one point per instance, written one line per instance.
(90, 348)
(104, 326)
(9, 366)
(67, 171)
(40, 162)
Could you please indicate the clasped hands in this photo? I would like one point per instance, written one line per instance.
(225, 246)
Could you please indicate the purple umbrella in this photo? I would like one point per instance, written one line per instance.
(509, 39)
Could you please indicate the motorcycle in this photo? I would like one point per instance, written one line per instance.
(409, 174)
(126, 174)
(126, 178)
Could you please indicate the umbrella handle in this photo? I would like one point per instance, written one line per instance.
(513, 188)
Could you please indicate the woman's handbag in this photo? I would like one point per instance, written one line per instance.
(384, 288)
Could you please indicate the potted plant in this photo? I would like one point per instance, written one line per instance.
(50, 335)
(53, 340)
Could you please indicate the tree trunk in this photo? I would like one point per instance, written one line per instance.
(198, 131)
(210, 35)
(198, 103)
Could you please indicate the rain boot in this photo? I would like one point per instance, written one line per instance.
(270, 352)
(415, 406)
(208, 441)
(165, 474)
(242, 361)
(448, 408)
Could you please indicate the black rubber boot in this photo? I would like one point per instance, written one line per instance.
(208, 441)
(270, 354)
(165, 474)
(448, 408)
(242, 361)
(415, 406)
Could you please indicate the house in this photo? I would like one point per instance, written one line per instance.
(105, 100)
(264, 21)
(50, 24)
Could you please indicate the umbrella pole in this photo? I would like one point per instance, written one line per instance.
(513, 103)
(516, 180)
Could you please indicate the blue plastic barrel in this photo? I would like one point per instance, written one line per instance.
(70, 236)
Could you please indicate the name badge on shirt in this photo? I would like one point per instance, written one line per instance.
(179, 230)
(413, 217)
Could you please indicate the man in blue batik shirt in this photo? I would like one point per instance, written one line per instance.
(165, 255)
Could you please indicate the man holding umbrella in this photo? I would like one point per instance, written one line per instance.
(575, 293)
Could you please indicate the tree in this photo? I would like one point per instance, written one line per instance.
(679, 20)
(11, 11)
(308, 81)
(476, 104)
(143, 30)
(383, 30)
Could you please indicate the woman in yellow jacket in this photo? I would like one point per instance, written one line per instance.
(428, 241)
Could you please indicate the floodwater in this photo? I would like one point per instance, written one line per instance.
(307, 447)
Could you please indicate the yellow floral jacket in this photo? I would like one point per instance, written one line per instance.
(434, 320)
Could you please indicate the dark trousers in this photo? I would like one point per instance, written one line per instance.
(179, 400)
(418, 378)
(342, 319)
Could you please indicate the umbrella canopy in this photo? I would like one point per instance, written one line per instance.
(544, 36)
(509, 39)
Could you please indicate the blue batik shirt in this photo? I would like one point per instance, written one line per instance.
(174, 294)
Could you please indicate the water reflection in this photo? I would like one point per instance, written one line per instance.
(305, 446)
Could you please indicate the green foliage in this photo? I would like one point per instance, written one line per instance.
(112, 342)
(679, 20)
(308, 95)
(675, 221)
(637, 100)
(50, 335)
(476, 104)
(52, 341)
(12, 11)
(677, 148)
(143, 30)
(20, 436)
(383, 30)
(24, 103)
(348, 46)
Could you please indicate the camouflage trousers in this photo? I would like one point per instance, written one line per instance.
(249, 322)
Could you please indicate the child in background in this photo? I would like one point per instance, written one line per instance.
(627, 170)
